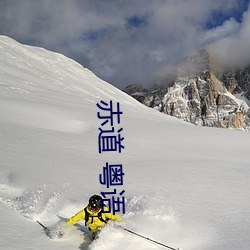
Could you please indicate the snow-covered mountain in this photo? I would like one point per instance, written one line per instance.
(237, 81)
(185, 186)
(201, 96)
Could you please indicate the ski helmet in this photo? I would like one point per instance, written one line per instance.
(95, 202)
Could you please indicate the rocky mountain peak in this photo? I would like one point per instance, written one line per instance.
(196, 64)
(200, 96)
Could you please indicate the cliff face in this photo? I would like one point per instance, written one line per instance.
(237, 81)
(201, 97)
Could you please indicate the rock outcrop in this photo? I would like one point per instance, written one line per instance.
(201, 97)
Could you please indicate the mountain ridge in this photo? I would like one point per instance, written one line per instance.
(200, 95)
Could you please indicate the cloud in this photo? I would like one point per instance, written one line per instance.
(233, 49)
(124, 42)
(228, 28)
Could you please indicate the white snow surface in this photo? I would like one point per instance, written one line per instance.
(185, 186)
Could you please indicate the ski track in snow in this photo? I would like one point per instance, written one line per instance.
(146, 214)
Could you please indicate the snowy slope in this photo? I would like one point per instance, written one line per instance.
(186, 186)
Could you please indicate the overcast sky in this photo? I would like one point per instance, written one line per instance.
(131, 41)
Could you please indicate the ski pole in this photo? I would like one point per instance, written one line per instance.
(45, 228)
(159, 243)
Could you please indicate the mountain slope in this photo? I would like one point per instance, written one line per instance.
(185, 186)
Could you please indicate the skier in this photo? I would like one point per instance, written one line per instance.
(94, 218)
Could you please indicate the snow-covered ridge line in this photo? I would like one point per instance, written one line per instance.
(43, 68)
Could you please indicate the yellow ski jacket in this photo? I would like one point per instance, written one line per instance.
(94, 223)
